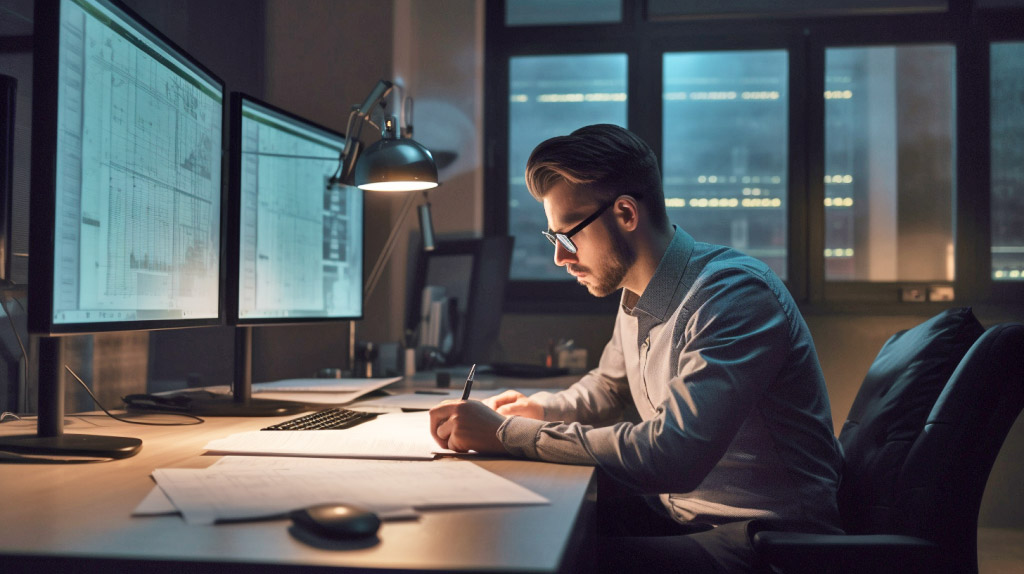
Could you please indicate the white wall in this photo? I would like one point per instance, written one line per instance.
(439, 58)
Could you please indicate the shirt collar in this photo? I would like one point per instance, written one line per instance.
(657, 298)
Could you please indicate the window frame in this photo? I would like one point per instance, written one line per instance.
(806, 40)
(877, 31)
(994, 26)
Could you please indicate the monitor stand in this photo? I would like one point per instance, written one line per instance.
(50, 439)
(240, 402)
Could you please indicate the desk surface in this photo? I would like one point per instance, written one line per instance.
(84, 511)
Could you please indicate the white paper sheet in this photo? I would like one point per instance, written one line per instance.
(156, 503)
(425, 399)
(357, 387)
(259, 487)
(313, 398)
(310, 391)
(389, 436)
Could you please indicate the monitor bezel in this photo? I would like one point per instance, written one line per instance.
(8, 104)
(46, 61)
(234, 217)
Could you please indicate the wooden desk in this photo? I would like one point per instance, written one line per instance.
(78, 517)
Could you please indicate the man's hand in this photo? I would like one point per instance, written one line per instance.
(466, 425)
(515, 403)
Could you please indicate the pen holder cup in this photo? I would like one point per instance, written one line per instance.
(444, 379)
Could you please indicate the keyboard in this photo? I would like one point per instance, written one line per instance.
(326, 419)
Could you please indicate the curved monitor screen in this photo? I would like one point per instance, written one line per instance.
(300, 251)
(137, 209)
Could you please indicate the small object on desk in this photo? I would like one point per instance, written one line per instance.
(337, 521)
(469, 383)
(444, 379)
(427, 392)
(326, 419)
(410, 361)
(148, 402)
(569, 356)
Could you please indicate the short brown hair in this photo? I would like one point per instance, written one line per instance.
(606, 160)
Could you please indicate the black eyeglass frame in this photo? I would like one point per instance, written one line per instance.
(565, 238)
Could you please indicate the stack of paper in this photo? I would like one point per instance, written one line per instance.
(248, 487)
(239, 488)
(321, 391)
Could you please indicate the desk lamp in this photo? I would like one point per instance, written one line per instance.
(395, 163)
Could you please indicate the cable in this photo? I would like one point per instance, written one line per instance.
(24, 354)
(3, 304)
(14, 329)
(124, 420)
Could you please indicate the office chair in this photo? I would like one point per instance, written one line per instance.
(912, 487)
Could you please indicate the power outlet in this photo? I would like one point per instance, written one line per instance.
(913, 294)
(941, 293)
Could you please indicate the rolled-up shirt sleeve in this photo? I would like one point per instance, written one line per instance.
(726, 353)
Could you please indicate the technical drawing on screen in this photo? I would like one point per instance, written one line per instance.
(138, 177)
(126, 196)
(300, 250)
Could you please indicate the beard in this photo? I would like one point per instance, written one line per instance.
(611, 269)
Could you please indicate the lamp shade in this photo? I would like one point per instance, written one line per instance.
(396, 164)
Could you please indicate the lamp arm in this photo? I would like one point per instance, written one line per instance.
(389, 246)
(407, 118)
(378, 93)
(359, 117)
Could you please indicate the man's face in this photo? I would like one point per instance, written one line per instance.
(603, 256)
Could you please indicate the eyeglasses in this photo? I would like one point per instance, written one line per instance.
(564, 238)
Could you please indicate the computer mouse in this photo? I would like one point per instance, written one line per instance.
(337, 520)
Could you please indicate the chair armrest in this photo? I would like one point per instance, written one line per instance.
(875, 553)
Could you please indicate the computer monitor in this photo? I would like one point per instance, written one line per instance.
(295, 243)
(127, 190)
(126, 182)
(456, 297)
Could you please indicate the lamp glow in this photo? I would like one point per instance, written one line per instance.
(397, 186)
(395, 164)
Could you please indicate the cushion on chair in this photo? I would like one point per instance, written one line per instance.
(889, 413)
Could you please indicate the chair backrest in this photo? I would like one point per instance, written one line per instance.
(924, 475)
(940, 487)
(890, 411)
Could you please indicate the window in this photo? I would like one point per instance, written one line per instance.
(549, 12)
(1007, 94)
(870, 152)
(552, 96)
(725, 134)
(889, 163)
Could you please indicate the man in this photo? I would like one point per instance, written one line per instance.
(708, 348)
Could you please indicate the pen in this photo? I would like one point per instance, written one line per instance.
(469, 383)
